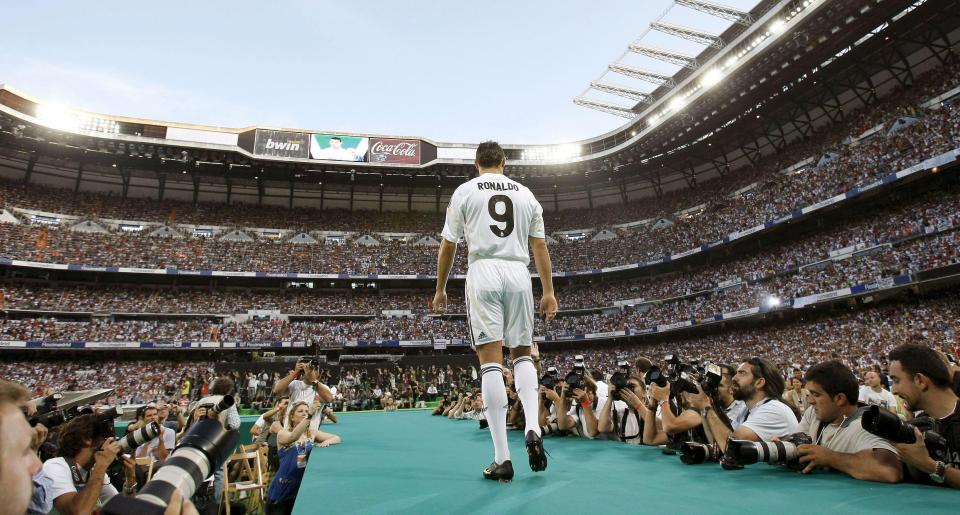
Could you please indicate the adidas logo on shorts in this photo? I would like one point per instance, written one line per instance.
(482, 336)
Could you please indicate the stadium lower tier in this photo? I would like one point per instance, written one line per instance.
(860, 338)
(449, 456)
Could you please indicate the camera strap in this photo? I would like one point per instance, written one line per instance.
(79, 481)
(623, 425)
(746, 412)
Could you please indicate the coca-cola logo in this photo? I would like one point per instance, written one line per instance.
(402, 151)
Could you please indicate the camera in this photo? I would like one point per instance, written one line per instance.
(694, 453)
(139, 437)
(783, 452)
(620, 380)
(549, 378)
(574, 379)
(217, 406)
(204, 449)
(710, 378)
(656, 376)
(308, 362)
(884, 424)
(578, 363)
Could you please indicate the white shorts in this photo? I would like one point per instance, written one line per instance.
(500, 303)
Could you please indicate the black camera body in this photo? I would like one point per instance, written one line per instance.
(574, 380)
(710, 378)
(619, 380)
(549, 381)
(694, 453)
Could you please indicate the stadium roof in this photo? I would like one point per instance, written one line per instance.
(800, 64)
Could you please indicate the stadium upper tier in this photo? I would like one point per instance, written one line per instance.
(889, 239)
(901, 136)
(893, 136)
(878, 124)
(880, 256)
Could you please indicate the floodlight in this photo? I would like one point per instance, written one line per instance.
(711, 78)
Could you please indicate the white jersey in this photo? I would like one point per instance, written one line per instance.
(495, 215)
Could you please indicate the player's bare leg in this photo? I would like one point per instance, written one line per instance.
(495, 407)
(528, 388)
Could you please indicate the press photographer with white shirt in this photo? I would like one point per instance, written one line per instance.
(303, 384)
(80, 484)
(759, 384)
(621, 415)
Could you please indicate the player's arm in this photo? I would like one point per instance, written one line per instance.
(448, 250)
(541, 258)
(451, 234)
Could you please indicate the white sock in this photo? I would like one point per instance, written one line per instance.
(528, 389)
(495, 406)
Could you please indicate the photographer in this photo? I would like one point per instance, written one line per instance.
(266, 419)
(79, 477)
(18, 459)
(676, 417)
(470, 408)
(759, 384)
(833, 423)
(442, 407)
(924, 381)
(621, 415)
(170, 416)
(225, 386)
(550, 405)
(580, 419)
(161, 446)
(303, 384)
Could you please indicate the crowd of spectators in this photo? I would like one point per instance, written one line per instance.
(858, 338)
(791, 270)
(894, 147)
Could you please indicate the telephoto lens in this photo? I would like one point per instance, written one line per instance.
(885, 424)
(202, 450)
(889, 426)
(782, 452)
(694, 453)
(139, 437)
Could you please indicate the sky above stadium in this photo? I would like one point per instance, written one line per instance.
(448, 71)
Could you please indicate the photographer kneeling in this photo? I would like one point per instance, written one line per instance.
(833, 422)
(580, 419)
(622, 413)
(924, 382)
(79, 477)
(760, 385)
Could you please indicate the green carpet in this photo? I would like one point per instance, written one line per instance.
(410, 462)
